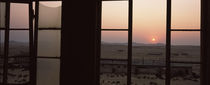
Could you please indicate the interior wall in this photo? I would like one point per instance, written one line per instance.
(205, 40)
(78, 61)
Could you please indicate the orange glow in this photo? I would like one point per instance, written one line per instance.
(153, 39)
(149, 18)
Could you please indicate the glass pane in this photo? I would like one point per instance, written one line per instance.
(48, 71)
(2, 37)
(114, 45)
(186, 14)
(2, 14)
(185, 46)
(19, 43)
(115, 15)
(113, 73)
(50, 14)
(149, 37)
(49, 42)
(19, 16)
(1, 54)
(185, 74)
(114, 58)
(1, 69)
(18, 70)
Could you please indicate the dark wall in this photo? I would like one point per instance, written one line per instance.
(78, 61)
(205, 36)
(78, 66)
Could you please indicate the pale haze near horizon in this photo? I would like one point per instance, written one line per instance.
(19, 18)
(149, 21)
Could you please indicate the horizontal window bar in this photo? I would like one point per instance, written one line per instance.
(48, 57)
(18, 29)
(18, 57)
(114, 0)
(15, 28)
(25, 1)
(185, 29)
(16, 1)
(16, 84)
(184, 62)
(113, 59)
(49, 0)
(114, 29)
(49, 28)
(29, 57)
(137, 65)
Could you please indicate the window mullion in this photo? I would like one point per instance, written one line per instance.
(168, 43)
(130, 28)
(6, 47)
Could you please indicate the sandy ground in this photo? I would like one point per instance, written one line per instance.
(48, 70)
(178, 53)
(144, 79)
(151, 53)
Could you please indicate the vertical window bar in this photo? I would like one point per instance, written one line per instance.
(31, 44)
(98, 42)
(204, 78)
(168, 43)
(35, 42)
(6, 48)
(130, 27)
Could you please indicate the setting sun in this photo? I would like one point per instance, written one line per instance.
(153, 39)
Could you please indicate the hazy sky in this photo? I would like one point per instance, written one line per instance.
(149, 21)
(19, 18)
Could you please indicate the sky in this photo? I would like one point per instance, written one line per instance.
(149, 21)
(49, 17)
(19, 18)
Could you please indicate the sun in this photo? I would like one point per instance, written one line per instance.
(153, 39)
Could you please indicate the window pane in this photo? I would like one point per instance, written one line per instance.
(19, 17)
(113, 73)
(149, 37)
(48, 71)
(185, 46)
(1, 69)
(114, 45)
(19, 43)
(2, 37)
(50, 14)
(115, 15)
(49, 42)
(2, 14)
(113, 58)
(186, 14)
(1, 54)
(18, 70)
(185, 74)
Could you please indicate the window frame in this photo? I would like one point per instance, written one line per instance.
(168, 41)
(33, 38)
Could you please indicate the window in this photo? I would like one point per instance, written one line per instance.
(30, 41)
(15, 53)
(150, 42)
(49, 39)
(114, 48)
